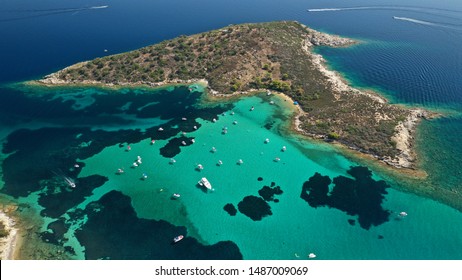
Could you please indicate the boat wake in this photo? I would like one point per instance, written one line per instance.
(439, 12)
(34, 13)
(394, 8)
(428, 23)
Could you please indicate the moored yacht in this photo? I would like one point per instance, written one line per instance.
(205, 183)
(178, 238)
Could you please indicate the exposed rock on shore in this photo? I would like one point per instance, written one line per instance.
(273, 56)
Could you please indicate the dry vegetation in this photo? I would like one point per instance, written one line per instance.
(256, 56)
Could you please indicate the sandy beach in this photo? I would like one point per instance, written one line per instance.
(9, 245)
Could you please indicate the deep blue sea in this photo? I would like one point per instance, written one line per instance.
(410, 52)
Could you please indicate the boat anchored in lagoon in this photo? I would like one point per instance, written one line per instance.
(205, 183)
(178, 238)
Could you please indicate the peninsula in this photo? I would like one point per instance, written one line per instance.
(276, 56)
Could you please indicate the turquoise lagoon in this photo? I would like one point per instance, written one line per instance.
(294, 229)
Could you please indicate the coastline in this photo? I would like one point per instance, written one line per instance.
(9, 245)
(404, 131)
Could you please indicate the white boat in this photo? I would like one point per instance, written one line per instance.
(234, 122)
(240, 161)
(268, 93)
(267, 140)
(183, 143)
(70, 182)
(160, 129)
(172, 161)
(178, 238)
(213, 150)
(232, 113)
(193, 140)
(283, 148)
(219, 162)
(277, 159)
(153, 141)
(199, 167)
(253, 108)
(184, 119)
(271, 102)
(135, 164)
(176, 195)
(311, 256)
(205, 183)
(195, 127)
(403, 214)
(214, 120)
(145, 176)
(120, 171)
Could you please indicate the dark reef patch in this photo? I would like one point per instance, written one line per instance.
(231, 209)
(55, 233)
(315, 190)
(268, 193)
(254, 207)
(361, 196)
(124, 236)
(58, 196)
(172, 148)
(72, 134)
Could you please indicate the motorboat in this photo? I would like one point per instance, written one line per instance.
(70, 182)
(178, 238)
(213, 150)
(183, 143)
(240, 161)
(214, 120)
(232, 113)
(193, 140)
(403, 214)
(145, 176)
(120, 171)
(283, 148)
(219, 162)
(135, 164)
(234, 122)
(160, 129)
(205, 183)
(311, 256)
(184, 119)
(267, 140)
(153, 141)
(271, 102)
(277, 159)
(199, 167)
(172, 161)
(195, 127)
(176, 195)
(253, 108)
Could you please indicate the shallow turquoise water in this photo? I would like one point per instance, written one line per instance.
(294, 229)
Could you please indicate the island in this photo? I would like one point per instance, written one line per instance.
(274, 57)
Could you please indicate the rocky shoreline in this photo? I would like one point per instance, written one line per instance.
(9, 244)
(404, 131)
